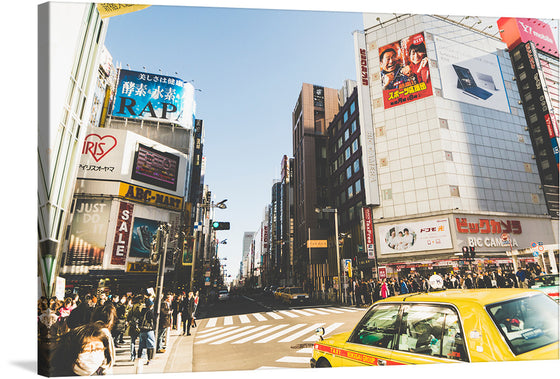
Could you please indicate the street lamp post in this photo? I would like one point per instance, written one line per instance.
(335, 211)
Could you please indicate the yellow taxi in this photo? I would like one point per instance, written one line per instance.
(445, 327)
(293, 295)
(278, 293)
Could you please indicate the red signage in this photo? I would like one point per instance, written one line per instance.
(517, 30)
(122, 234)
(98, 146)
(363, 65)
(488, 226)
(368, 231)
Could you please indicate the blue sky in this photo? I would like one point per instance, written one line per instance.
(249, 65)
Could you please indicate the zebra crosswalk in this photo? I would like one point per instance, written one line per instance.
(262, 333)
(275, 315)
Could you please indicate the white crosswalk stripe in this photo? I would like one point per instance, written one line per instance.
(349, 309)
(302, 332)
(316, 311)
(204, 331)
(228, 320)
(306, 350)
(244, 319)
(330, 310)
(274, 315)
(212, 322)
(255, 336)
(239, 335)
(328, 330)
(220, 330)
(221, 335)
(259, 317)
(293, 360)
(281, 333)
(289, 314)
(301, 312)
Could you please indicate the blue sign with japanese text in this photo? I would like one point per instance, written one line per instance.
(147, 96)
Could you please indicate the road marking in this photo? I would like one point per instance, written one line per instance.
(330, 310)
(212, 322)
(301, 333)
(350, 309)
(328, 330)
(260, 334)
(236, 336)
(269, 368)
(281, 333)
(259, 317)
(316, 311)
(204, 331)
(274, 315)
(302, 312)
(217, 332)
(289, 314)
(228, 320)
(294, 360)
(244, 319)
(307, 350)
(221, 335)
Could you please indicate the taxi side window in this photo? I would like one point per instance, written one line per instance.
(431, 330)
(378, 328)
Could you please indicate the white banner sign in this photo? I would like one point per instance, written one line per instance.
(424, 235)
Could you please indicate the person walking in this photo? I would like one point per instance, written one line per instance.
(187, 309)
(81, 315)
(196, 299)
(165, 313)
(147, 335)
(133, 319)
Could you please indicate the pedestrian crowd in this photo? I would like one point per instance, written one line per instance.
(366, 292)
(79, 335)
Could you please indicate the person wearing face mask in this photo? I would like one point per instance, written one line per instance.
(83, 351)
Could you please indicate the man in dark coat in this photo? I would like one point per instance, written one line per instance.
(81, 315)
(187, 309)
(165, 312)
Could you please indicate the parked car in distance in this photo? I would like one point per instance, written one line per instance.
(294, 295)
(548, 284)
(223, 295)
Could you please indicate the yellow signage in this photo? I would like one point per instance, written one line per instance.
(316, 243)
(141, 267)
(150, 197)
(110, 9)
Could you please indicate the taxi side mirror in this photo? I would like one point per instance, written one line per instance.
(320, 332)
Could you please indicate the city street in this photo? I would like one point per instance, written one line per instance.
(245, 333)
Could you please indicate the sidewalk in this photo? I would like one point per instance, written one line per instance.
(178, 356)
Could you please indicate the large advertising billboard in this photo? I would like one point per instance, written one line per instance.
(146, 96)
(155, 167)
(470, 75)
(143, 234)
(520, 30)
(426, 235)
(88, 232)
(405, 71)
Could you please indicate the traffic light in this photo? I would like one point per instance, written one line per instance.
(471, 251)
(466, 252)
(220, 225)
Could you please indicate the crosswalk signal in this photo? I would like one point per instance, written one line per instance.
(471, 251)
(220, 225)
(466, 252)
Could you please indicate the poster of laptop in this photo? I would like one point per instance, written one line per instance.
(470, 75)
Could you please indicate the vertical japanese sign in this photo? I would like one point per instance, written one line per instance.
(367, 134)
(88, 232)
(405, 72)
(122, 234)
(147, 96)
(368, 233)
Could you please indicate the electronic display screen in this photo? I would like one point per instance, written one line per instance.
(156, 167)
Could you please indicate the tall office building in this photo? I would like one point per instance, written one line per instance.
(447, 155)
(314, 110)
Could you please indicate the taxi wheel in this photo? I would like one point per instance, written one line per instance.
(322, 362)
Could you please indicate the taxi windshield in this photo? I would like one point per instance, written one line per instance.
(527, 323)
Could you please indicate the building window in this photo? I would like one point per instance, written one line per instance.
(355, 146)
(351, 213)
(352, 107)
(340, 160)
(345, 116)
(347, 153)
(356, 165)
(348, 172)
(354, 126)
(341, 178)
(358, 186)
(346, 134)
(340, 142)
(350, 192)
